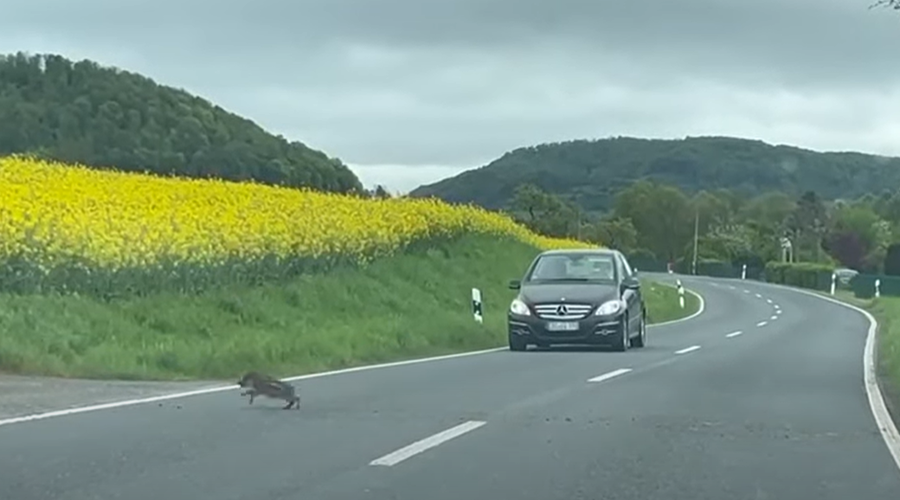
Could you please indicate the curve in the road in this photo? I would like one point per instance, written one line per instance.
(886, 426)
(757, 396)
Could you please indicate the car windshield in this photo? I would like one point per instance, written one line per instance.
(562, 267)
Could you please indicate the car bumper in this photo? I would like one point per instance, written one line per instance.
(593, 330)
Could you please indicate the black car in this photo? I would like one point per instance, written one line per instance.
(580, 296)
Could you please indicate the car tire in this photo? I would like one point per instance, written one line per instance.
(517, 343)
(641, 339)
(622, 341)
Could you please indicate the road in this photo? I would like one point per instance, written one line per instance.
(777, 411)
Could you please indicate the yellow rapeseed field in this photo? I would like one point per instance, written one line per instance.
(54, 214)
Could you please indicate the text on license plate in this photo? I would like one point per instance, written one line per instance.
(562, 326)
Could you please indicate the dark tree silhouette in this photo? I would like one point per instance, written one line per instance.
(107, 118)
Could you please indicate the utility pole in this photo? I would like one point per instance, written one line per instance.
(578, 218)
(696, 237)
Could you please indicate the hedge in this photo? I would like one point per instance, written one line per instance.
(800, 274)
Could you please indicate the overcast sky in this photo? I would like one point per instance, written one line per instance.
(410, 91)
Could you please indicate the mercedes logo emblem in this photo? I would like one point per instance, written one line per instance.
(561, 310)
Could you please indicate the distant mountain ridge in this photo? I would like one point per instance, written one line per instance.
(590, 172)
(105, 117)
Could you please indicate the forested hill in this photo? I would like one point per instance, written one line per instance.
(103, 117)
(591, 172)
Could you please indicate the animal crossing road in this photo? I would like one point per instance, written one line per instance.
(759, 397)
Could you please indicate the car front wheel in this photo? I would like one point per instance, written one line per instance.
(641, 339)
(517, 343)
(622, 341)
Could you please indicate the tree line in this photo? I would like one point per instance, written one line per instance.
(81, 112)
(589, 173)
(660, 221)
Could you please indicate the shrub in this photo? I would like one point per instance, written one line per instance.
(800, 274)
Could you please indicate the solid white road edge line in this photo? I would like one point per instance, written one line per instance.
(699, 311)
(762, 323)
(880, 413)
(406, 452)
(882, 416)
(734, 334)
(211, 390)
(612, 374)
(688, 349)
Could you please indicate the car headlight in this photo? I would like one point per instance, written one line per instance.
(519, 307)
(610, 308)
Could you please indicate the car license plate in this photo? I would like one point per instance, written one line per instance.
(562, 326)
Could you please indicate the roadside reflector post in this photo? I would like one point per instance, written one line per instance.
(476, 305)
(680, 293)
(744, 272)
(833, 282)
(878, 288)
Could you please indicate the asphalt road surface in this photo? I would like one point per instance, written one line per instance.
(761, 397)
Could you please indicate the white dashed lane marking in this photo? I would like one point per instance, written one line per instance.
(406, 452)
(607, 376)
(734, 334)
(773, 318)
(688, 349)
(769, 301)
(758, 296)
(762, 323)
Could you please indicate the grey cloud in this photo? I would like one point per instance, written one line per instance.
(787, 41)
(461, 81)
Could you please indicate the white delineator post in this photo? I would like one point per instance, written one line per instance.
(833, 282)
(476, 305)
(878, 288)
(744, 272)
(680, 293)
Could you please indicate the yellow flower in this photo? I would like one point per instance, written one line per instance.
(55, 214)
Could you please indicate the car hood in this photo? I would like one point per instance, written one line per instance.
(584, 293)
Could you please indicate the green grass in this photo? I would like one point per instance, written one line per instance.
(662, 302)
(887, 311)
(412, 305)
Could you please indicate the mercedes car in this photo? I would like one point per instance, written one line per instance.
(578, 296)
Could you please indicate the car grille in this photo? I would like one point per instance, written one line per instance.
(562, 312)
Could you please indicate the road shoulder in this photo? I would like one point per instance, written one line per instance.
(24, 395)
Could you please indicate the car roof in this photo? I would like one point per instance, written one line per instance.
(583, 251)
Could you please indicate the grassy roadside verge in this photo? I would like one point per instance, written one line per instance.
(662, 302)
(407, 306)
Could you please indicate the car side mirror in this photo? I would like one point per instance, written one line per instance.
(631, 282)
(515, 285)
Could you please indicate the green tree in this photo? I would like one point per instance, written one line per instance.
(891, 4)
(806, 225)
(713, 209)
(857, 237)
(106, 118)
(615, 232)
(594, 171)
(661, 214)
(544, 213)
